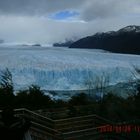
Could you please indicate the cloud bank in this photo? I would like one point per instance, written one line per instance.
(48, 21)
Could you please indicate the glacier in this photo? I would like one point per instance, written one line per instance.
(60, 68)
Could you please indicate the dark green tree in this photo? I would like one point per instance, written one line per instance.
(79, 99)
(33, 98)
(6, 83)
(6, 88)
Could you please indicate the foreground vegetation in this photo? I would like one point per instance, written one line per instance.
(110, 106)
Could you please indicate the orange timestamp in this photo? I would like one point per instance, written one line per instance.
(119, 128)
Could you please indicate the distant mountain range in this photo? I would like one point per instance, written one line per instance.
(125, 40)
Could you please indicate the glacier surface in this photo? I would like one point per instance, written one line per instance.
(55, 68)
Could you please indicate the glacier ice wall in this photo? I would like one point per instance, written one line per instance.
(63, 68)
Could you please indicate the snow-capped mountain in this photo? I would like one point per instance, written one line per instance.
(125, 40)
(131, 28)
(63, 68)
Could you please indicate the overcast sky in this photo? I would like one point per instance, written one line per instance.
(48, 21)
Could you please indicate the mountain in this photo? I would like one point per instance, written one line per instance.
(125, 40)
(66, 43)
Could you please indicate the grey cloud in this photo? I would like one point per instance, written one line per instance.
(27, 29)
(89, 9)
(36, 7)
(94, 9)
